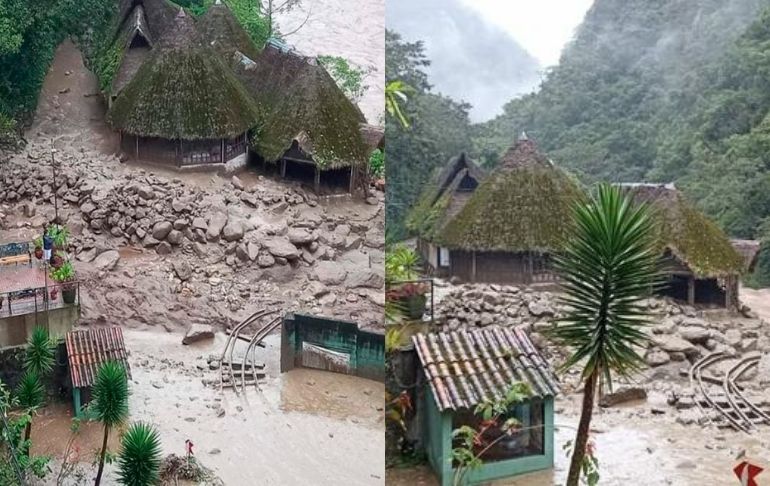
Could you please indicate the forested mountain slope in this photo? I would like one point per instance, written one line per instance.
(663, 90)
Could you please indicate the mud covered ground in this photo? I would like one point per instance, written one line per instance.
(301, 427)
(655, 441)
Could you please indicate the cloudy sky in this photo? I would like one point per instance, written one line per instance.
(542, 27)
(486, 52)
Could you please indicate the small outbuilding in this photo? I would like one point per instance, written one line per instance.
(459, 370)
(87, 350)
(701, 265)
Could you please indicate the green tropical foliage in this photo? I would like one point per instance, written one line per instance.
(377, 164)
(608, 265)
(110, 403)
(140, 457)
(438, 129)
(39, 356)
(349, 77)
(30, 394)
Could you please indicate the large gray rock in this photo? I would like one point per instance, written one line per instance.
(623, 395)
(107, 260)
(217, 223)
(145, 192)
(265, 260)
(253, 250)
(330, 273)
(199, 224)
(161, 230)
(673, 344)
(656, 357)
(233, 231)
(365, 278)
(198, 332)
(301, 236)
(183, 270)
(539, 308)
(163, 248)
(175, 237)
(281, 247)
(695, 334)
(237, 183)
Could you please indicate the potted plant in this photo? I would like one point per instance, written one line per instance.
(38, 242)
(58, 259)
(402, 265)
(410, 297)
(60, 236)
(65, 275)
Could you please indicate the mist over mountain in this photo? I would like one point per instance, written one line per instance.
(471, 60)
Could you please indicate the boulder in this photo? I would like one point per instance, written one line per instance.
(280, 246)
(216, 224)
(233, 231)
(695, 334)
(365, 278)
(265, 260)
(182, 269)
(656, 357)
(673, 344)
(198, 332)
(300, 236)
(330, 273)
(252, 249)
(237, 183)
(163, 248)
(539, 308)
(175, 237)
(161, 230)
(200, 224)
(145, 192)
(107, 260)
(623, 395)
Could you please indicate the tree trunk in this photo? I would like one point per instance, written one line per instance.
(27, 435)
(581, 440)
(101, 457)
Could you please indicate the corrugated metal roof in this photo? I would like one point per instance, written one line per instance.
(465, 367)
(88, 349)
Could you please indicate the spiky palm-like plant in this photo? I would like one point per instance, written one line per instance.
(39, 357)
(30, 394)
(139, 463)
(110, 403)
(609, 264)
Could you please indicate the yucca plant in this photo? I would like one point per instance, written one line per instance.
(140, 458)
(30, 395)
(39, 356)
(609, 264)
(110, 403)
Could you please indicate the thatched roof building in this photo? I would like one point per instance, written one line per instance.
(749, 250)
(204, 81)
(702, 265)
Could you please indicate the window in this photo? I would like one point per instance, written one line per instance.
(527, 440)
(443, 257)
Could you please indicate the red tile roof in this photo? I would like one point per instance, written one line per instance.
(88, 349)
(465, 367)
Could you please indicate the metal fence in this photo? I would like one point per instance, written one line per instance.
(53, 295)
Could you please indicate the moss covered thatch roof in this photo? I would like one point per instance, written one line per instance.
(222, 31)
(440, 200)
(296, 97)
(183, 91)
(687, 233)
(524, 205)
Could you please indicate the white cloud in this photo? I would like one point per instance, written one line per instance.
(542, 27)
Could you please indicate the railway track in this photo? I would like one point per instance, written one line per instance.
(227, 373)
(733, 408)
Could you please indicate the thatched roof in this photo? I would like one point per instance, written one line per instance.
(160, 14)
(687, 233)
(222, 31)
(299, 102)
(440, 199)
(524, 205)
(183, 91)
(749, 250)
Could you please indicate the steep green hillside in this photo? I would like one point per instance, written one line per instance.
(660, 90)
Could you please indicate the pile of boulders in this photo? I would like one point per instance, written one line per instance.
(678, 333)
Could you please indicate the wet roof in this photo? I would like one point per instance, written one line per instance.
(465, 367)
(88, 349)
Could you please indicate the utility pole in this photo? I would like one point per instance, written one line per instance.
(55, 188)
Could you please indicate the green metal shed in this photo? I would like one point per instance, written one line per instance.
(461, 368)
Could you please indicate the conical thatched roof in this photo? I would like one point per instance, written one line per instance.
(524, 205)
(687, 233)
(299, 102)
(440, 199)
(183, 91)
(222, 31)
